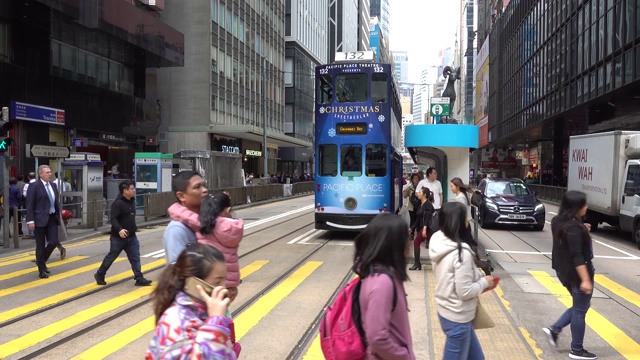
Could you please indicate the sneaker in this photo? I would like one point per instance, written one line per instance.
(63, 253)
(99, 279)
(553, 336)
(143, 282)
(582, 354)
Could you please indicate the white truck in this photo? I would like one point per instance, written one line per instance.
(606, 167)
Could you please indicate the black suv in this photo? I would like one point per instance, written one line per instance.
(507, 201)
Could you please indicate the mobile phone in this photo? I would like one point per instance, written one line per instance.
(191, 289)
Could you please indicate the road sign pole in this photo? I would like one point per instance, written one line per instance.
(5, 201)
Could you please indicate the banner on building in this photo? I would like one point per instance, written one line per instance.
(494, 158)
(481, 95)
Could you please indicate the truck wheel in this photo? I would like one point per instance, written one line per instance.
(594, 225)
(636, 233)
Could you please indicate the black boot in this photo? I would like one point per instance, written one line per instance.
(416, 264)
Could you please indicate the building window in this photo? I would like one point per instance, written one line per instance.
(288, 72)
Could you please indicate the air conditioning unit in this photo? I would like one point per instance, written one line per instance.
(157, 5)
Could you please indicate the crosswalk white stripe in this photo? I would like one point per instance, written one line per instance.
(160, 253)
(295, 240)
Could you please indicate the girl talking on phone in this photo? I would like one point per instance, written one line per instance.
(190, 304)
(458, 283)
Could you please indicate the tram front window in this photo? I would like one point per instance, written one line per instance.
(351, 163)
(325, 90)
(328, 164)
(376, 160)
(379, 87)
(352, 87)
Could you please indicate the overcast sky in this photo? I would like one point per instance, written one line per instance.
(423, 28)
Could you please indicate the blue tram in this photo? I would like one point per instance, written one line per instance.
(358, 127)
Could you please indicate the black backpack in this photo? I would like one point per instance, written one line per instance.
(413, 199)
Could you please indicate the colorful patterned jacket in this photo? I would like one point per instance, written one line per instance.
(186, 330)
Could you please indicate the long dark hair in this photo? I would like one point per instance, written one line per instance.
(452, 221)
(195, 260)
(427, 193)
(462, 187)
(383, 242)
(571, 203)
(210, 209)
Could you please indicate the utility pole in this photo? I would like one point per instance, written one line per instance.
(5, 143)
(264, 115)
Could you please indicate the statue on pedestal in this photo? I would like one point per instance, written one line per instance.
(449, 91)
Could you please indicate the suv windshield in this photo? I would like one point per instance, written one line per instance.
(506, 188)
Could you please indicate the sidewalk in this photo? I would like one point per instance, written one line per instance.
(507, 340)
(78, 234)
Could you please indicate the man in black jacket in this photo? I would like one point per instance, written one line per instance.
(123, 235)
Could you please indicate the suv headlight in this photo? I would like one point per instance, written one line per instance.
(539, 207)
(492, 206)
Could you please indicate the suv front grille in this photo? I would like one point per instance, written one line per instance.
(515, 209)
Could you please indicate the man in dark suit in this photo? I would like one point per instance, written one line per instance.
(43, 214)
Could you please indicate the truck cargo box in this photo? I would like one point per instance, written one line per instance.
(596, 166)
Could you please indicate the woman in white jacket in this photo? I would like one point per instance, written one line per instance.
(458, 283)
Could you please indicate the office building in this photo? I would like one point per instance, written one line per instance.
(217, 100)
(89, 69)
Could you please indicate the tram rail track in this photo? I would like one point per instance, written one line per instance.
(145, 301)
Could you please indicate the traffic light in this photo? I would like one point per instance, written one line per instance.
(5, 126)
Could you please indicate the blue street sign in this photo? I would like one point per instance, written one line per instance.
(77, 142)
(30, 112)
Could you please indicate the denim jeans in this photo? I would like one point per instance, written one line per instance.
(131, 246)
(575, 316)
(462, 342)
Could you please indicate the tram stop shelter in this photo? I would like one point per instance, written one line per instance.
(444, 146)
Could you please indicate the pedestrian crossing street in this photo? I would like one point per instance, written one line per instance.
(13, 343)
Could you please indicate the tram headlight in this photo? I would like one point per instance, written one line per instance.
(350, 203)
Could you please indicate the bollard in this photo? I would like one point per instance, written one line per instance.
(95, 215)
(16, 230)
(146, 207)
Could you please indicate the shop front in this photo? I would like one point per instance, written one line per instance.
(296, 160)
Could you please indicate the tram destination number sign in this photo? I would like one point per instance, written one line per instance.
(351, 129)
(440, 106)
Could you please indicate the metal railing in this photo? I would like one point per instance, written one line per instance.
(156, 204)
(547, 192)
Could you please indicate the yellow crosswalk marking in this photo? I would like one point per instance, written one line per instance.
(618, 289)
(53, 329)
(118, 341)
(252, 316)
(35, 269)
(51, 300)
(620, 341)
(52, 278)
(127, 336)
(315, 351)
(30, 255)
(251, 268)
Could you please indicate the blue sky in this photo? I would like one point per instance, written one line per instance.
(423, 27)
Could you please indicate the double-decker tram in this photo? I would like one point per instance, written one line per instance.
(358, 126)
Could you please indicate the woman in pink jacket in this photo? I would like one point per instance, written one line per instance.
(380, 261)
(215, 227)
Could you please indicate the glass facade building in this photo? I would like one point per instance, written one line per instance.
(563, 68)
(92, 59)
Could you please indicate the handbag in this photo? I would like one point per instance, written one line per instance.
(482, 320)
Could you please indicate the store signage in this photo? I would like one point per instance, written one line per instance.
(351, 129)
(113, 137)
(253, 153)
(36, 113)
(230, 149)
